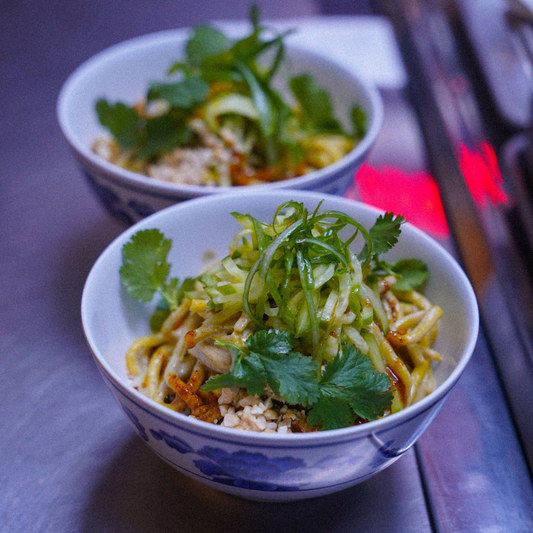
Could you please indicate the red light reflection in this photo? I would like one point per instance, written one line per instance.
(482, 174)
(416, 195)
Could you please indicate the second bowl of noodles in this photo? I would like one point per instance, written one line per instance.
(240, 136)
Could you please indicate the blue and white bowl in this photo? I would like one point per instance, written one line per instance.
(255, 465)
(123, 72)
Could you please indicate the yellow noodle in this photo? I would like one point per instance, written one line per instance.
(392, 360)
(408, 321)
(392, 306)
(176, 317)
(408, 307)
(204, 332)
(155, 370)
(433, 334)
(416, 353)
(430, 353)
(426, 386)
(417, 376)
(138, 354)
(415, 298)
(424, 326)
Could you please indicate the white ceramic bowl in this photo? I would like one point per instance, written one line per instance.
(255, 465)
(123, 72)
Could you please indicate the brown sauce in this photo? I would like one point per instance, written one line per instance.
(398, 384)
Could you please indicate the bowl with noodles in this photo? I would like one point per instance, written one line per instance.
(287, 350)
(163, 118)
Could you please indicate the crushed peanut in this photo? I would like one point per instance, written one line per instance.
(244, 411)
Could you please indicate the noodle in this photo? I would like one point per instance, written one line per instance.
(158, 359)
(396, 329)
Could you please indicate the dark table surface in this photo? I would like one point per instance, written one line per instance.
(69, 461)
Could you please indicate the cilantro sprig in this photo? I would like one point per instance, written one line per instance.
(145, 272)
(268, 359)
(384, 235)
(411, 274)
(349, 387)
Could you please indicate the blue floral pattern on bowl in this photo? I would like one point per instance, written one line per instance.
(116, 207)
(172, 441)
(135, 421)
(239, 468)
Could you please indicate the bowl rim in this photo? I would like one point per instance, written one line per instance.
(222, 433)
(366, 88)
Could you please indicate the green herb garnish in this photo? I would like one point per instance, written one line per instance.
(145, 272)
(310, 300)
(228, 83)
(268, 359)
(411, 274)
(349, 386)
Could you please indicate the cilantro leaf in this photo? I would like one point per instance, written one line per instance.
(247, 372)
(145, 269)
(330, 412)
(292, 377)
(384, 234)
(413, 273)
(162, 134)
(316, 104)
(271, 342)
(371, 396)
(344, 369)
(147, 137)
(268, 359)
(121, 120)
(206, 42)
(183, 94)
(350, 383)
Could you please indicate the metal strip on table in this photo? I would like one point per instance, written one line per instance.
(483, 459)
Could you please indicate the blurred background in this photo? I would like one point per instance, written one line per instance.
(454, 156)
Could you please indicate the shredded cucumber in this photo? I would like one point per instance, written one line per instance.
(297, 274)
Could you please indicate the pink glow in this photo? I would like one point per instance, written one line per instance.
(415, 196)
(482, 174)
